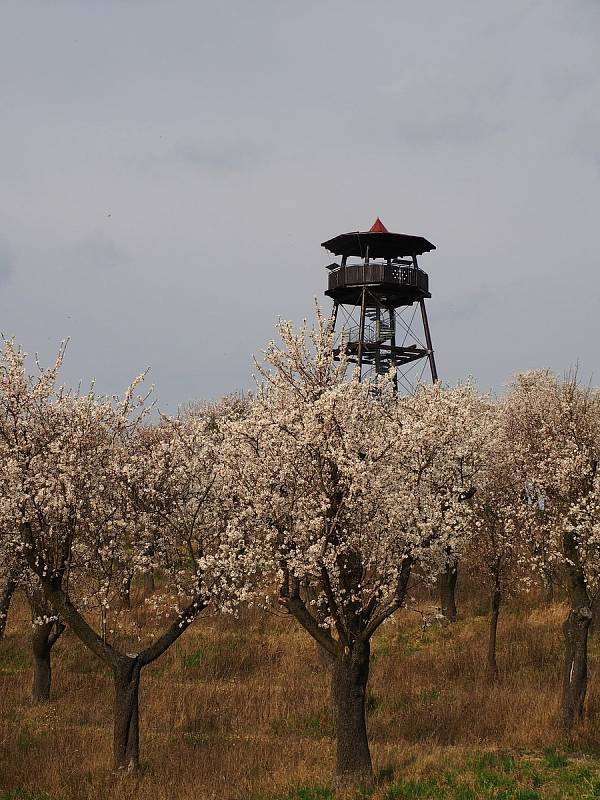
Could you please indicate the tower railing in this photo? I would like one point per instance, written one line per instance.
(374, 273)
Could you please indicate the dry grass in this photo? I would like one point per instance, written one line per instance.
(239, 709)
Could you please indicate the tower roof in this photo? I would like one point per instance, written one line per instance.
(381, 243)
(378, 227)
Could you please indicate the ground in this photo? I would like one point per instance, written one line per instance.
(239, 709)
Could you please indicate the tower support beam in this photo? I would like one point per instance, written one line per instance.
(361, 334)
(428, 342)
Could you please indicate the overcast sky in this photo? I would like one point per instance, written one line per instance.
(169, 169)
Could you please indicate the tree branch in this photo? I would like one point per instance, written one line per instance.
(62, 605)
(398, 601)
(183, 621)
(297, 608)
(57, 631)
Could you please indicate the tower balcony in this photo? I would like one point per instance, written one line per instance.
(396, 283)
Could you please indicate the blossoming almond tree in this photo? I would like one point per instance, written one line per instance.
(348, 488)
(555, 429)
(85, 483)
(498, 547)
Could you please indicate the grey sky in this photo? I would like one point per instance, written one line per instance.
(168, 170)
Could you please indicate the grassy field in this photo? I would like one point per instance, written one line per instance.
(239, 709)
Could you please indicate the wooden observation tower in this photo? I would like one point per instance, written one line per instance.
(377, 290)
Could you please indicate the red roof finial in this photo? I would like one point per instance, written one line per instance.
(378, 227)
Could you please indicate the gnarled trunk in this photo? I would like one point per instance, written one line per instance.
(126, 732)
(350, 676)
(575, 630)
(5, 597)
(447, 588)
(496, 600)
(42, 668)
(44, 635)
(574, 682)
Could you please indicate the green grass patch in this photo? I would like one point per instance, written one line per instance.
(415, 790)
(554, 760)
(194, 659)
(483, 776)
(412, 641)
(428, 697)
(12, 663)
(307, 793)
(310, 725)
(506, 776)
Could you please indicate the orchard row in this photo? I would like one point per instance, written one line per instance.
(319, 495)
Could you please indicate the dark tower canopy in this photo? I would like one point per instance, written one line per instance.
(381, 243)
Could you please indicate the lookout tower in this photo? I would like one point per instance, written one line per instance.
(377, 290)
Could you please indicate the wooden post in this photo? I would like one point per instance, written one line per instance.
(428, 342)
(334, 316)
(333, 323)
(434, 375)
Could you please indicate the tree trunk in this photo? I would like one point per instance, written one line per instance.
(126, 736)
(595, 623)
(5, 598)
(125, 591)
(350, 676)
(42, 669)
(43, 639)
(447, 588)
(574, 682)
(575, 630)
(149, 581)
(46, 631)
(492, 665)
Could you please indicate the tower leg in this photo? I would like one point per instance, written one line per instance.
(361, 333)
(334, 314)
(434, 375)
(392, 313)
(377, 354)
